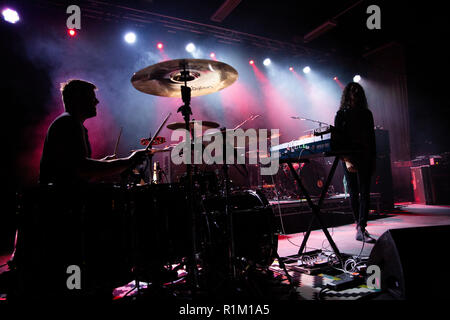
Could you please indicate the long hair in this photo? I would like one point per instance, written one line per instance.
(356, 90)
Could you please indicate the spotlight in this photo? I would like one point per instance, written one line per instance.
(130, 37)
(291, 68)
(267, 62)
(335, 78)
(212, 55)
(190, 47)
(251, 62)
(160, 45)
(72, 32)
(10, 15)
(306, 69)
(357, 78)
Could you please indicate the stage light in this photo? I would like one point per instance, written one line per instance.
(190, 47)
(10, 15)
(160, 45)
(291, 69)
(335, 78)
(212, 55)
(306, 70)
(267, 62)
(72, 32)
(130, 37)
(251, 62)
(357, 78)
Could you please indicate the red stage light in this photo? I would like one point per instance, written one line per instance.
(251, 62)
(160, 45)
(335, 78)
(291, 69)
(72, 32)
(212, 55)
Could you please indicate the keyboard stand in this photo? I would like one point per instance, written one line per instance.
(316, 207)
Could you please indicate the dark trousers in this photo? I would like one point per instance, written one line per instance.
(359, 189)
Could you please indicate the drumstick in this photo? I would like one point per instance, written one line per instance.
(157, 131)
(117, 142)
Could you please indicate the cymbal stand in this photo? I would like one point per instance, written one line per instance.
(228, 212)
(186, 112)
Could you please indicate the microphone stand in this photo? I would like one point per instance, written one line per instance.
(315, 121)
(252, 117)
(311, 120)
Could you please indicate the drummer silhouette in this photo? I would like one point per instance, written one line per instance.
(67, 220)
(66, 157)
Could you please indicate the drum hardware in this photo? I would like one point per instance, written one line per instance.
(229, 214)
(136, 270)
(158, 173)
(204, 124)
(157, 141)
(255, 240)
(155, 172)
(185, 78)
(170, 79)
(125, 175)
(233, 260)
(186, 112)
(159, 227)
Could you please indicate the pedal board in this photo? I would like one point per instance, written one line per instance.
(346, 281)
(310, 270)
(313, 262)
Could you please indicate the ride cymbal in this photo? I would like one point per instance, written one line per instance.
(166, 78)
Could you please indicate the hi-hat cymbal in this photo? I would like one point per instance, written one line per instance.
(166, 78)
(204, 124)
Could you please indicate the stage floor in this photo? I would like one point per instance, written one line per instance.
(405, 215)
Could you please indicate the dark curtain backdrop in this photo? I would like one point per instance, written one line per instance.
(386, 90)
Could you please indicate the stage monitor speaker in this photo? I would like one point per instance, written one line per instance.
(431, 184)
(401, 179)
(440, 183)
(382, 179)
(413, 262)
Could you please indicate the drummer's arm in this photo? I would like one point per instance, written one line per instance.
(101, 168)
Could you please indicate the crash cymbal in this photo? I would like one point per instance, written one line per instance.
(203, 77)
(204, 124)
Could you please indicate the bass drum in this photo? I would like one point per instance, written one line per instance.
(256, 239)
(159, 224)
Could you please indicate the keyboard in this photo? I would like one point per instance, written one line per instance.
(311, 147)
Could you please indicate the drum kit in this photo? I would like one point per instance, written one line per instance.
(194, 222)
